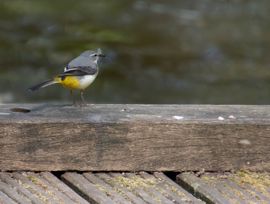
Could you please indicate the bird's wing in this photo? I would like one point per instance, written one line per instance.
(79, 71)
(79, 66)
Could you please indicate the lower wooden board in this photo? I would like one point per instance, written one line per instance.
(84, 188)
(238, 188)
(130, 188)
(134, 188)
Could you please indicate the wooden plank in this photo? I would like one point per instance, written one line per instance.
(60, 196)
(86, 189)
(103, 186)
(120, 188)
(241, 187)
(135, 137)
(62, 187)
(39, 189)
(29, 187)
(169, 189)
(143, 188)
(5, 199)
(176, 193)
(134, 186)
(13, 194)
(20, 187)
(148, 185)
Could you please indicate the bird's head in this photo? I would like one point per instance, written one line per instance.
(93, 55)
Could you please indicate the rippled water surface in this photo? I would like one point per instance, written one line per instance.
(175, 51)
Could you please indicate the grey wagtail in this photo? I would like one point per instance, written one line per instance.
(78, 74)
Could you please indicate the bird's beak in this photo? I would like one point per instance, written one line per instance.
(101, 55)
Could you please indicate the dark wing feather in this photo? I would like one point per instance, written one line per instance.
(79, 71)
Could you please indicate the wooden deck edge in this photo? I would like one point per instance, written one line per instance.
(134, 137)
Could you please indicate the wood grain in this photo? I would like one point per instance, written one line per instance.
(134, 137)
(128, 188)
(38, 188)
(240, 187)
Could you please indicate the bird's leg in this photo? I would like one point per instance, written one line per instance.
(82, 98)
(73, 99)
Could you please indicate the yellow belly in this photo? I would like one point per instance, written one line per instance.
(70, 82)
(76, 82)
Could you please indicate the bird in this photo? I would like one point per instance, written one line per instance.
(78, 74)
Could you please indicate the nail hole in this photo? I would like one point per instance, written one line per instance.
(20, 110)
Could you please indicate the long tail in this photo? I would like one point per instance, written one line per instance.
(43, 84)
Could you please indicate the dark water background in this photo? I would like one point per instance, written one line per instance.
(178, 51)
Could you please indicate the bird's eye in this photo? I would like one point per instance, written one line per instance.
(93, 55)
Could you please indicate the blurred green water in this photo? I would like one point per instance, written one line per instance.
(179, 51)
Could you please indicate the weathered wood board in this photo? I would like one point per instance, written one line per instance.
(134, 137)
(241, 187)
(128, 188)
(39, 188)
(96, 188)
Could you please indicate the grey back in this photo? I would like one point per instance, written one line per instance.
(83, 61)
